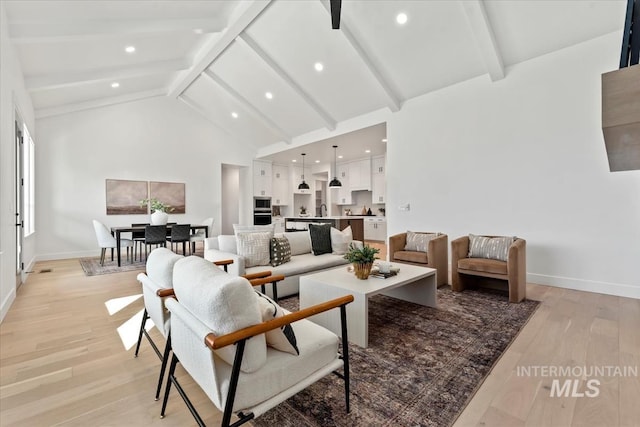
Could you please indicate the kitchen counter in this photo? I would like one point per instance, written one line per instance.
(340, 222)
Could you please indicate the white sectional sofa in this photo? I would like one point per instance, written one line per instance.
(303, 261)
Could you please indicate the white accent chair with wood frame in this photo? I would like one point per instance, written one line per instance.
(218, 336)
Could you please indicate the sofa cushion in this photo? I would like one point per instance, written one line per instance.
(283, 338)
(489, 247)
(411, 256)
(483, 265)
(320, 238)
(237, 228)
(305, 264)
(280, 251)
(254, 247)
(318, 347)
(224, 303)
(418, 241)
(340, 240)
(300, 242)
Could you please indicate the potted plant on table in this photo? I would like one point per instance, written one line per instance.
(160, 210)
(362, 259)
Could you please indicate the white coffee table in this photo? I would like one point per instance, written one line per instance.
(412, 283)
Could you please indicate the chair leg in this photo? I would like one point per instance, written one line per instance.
(345, 354)
(163, 367)
(145, 316)
(111, 254)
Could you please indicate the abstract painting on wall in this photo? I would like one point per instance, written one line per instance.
(170, 193)
(123, 196)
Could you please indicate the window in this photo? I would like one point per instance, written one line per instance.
(28, 168)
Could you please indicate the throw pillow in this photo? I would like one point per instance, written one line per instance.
(489, 247)
(419, 241)
(283, 338)
(320, 238)
(254, 247)
(300, 242)
(280, 251)
(340, 240)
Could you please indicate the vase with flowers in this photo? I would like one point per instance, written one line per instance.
(160, 210)
(362, 258)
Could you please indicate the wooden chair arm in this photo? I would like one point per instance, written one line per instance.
(257, 275)
(265, 280)
(224, 263)
(216, 343)
(162, 293)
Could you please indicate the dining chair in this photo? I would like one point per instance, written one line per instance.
(138, 238)
(154, 235)
(107, 241)
(180, 233)
(200, 235)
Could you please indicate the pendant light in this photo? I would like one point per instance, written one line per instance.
(303, 185)
(335, 182)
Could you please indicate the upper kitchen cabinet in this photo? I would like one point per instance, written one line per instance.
(360, 175)
(378, 179)
(262, 176)
(344, 192)
(281, 186)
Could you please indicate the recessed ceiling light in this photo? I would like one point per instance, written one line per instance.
(367, 151)
(401, 18)
(294, 160)
(318, 66)
(130, 49)
(269, 95)
(234, 114)
(198, 31)
(384, 139)
(115, 85)
(339, 157)
(317, 161)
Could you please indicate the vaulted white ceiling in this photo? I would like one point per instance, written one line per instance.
(222, 57)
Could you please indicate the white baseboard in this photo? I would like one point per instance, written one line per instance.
(617, 289)
(6, 303)
(67, 255)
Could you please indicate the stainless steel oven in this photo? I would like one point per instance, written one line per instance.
(261, 218)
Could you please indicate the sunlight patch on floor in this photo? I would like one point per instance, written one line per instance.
(129, 330)
(117, 304)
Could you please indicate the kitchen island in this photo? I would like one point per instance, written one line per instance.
(340, 222)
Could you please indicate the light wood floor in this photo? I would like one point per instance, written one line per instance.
(62, 361)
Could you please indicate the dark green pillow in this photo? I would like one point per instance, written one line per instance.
(320, 238)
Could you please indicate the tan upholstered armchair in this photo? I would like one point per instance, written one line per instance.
(436, 256)
(465, 270)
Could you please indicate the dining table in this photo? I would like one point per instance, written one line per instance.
(117, 232)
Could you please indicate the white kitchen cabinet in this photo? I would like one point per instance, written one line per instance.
(262, 172)
(297, 179)
(360, 175)
(344, 192)
(375, 228)
(378, 180)
(281, 186)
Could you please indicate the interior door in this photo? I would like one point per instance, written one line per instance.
(19, 203)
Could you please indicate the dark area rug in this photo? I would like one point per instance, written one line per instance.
(422, 367)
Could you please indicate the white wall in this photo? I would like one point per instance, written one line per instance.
(230, 204)
(158, 139)
(13, 95)
(523, 156)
